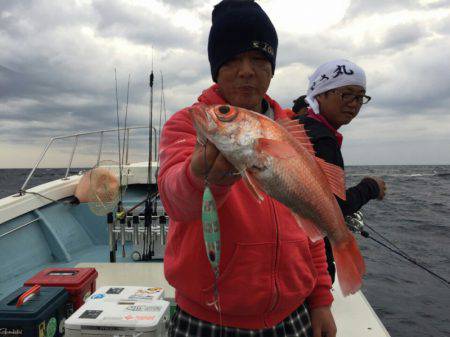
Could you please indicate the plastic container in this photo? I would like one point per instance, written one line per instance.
(79, 282)
(34, 312)
(107, 319)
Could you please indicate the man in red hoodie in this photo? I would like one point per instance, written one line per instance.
(273, 280)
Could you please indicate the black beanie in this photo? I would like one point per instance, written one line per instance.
(239, 26)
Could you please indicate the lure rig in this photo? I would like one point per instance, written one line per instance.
(211, 230)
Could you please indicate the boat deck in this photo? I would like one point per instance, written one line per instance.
(353, 315)
(36, 234)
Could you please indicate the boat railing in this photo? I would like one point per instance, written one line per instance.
(101, 133)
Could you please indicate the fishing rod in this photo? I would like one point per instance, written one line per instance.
(162, 107)
(125, 122)
(356, 224)
(120, 214)
(118, 133)
(163, 99)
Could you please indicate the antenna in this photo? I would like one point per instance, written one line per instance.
(150, 128)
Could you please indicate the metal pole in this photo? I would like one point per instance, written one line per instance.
(34, 167)
(100, 148)
(150, 129)
(71, 157)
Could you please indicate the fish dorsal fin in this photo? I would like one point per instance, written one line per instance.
(253, 186)
(297, 130)
(335, 176)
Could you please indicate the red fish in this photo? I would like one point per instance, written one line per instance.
(278, 159)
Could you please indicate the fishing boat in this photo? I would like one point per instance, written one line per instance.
(41, 227)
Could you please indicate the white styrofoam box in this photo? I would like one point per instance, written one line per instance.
(106, 319)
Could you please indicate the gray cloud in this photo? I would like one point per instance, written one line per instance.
(22, 18)
(403, 35)
(418, 83)
(188, 4)
(57, 64)
(443, 26)
(360, 7)
(140, 25)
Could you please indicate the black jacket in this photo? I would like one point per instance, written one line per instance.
(327, 147)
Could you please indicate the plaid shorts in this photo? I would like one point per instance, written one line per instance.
(297, 324)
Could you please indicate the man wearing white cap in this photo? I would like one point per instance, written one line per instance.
(336, 92)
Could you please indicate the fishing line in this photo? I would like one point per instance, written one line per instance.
(446, 282)
(388, 241)
(211, 235)
(355, 222)
(206, 169)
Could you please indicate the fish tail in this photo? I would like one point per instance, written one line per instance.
(349, 264)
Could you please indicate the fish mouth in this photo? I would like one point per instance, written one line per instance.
(202, 119)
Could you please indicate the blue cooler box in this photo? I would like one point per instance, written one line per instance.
(34, 312)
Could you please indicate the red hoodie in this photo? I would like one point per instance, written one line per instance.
(268, 266)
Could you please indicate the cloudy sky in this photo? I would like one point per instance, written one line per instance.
(58, 61)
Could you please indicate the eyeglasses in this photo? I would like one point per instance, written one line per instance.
(348, 98)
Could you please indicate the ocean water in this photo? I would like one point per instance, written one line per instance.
(415, 216)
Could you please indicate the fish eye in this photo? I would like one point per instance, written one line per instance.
(226, 113)
(224, 109)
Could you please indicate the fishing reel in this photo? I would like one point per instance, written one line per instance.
(355, 223)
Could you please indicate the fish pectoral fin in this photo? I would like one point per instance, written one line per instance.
(335, 176)
(275, 148)
(309, 227)
(253, 185)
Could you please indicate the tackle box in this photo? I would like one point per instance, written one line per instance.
(34, 312)
(108, 319)
(127, 293)
(79, 282)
